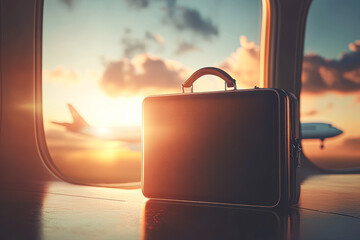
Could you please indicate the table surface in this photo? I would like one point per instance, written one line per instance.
(329, 208)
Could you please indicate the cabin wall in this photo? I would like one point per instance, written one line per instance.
(20, 160)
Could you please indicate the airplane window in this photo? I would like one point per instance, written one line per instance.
(101, 58)
(330, 97)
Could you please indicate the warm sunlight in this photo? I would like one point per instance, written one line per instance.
(97, 70)
(125, 111)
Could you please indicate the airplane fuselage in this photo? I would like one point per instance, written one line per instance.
(130, 134)
(318, 131)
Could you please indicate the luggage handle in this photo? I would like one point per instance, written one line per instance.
(229, 81)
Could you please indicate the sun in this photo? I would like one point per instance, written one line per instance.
(115, 112)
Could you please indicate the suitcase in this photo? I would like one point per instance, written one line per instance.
(234, 147)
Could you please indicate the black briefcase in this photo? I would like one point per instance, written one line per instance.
(238, 147)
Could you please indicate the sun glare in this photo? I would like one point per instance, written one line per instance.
(103, 130)
(125, 111)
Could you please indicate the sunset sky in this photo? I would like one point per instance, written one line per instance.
(104, 57)
(91, 48)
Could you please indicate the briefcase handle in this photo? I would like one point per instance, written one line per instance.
(229, 81)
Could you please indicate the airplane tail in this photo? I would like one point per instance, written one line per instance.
(78, 121)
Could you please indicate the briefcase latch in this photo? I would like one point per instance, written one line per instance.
(296, 150)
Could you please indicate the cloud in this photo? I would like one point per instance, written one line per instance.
(60, 139)
(319, 74)
(310, 113)
(133, 46)
(144, 73)
(244, 63)
(149, 74)
(185, 47)
(155, 37)
(352, 143)
(357, 100)
(343, 75)
(181, 17)
(60, 75)
(138, 4)
(68, 3)
(314, 112)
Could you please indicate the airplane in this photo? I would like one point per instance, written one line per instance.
(132, 134)
(319, 131)
(129, 134)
